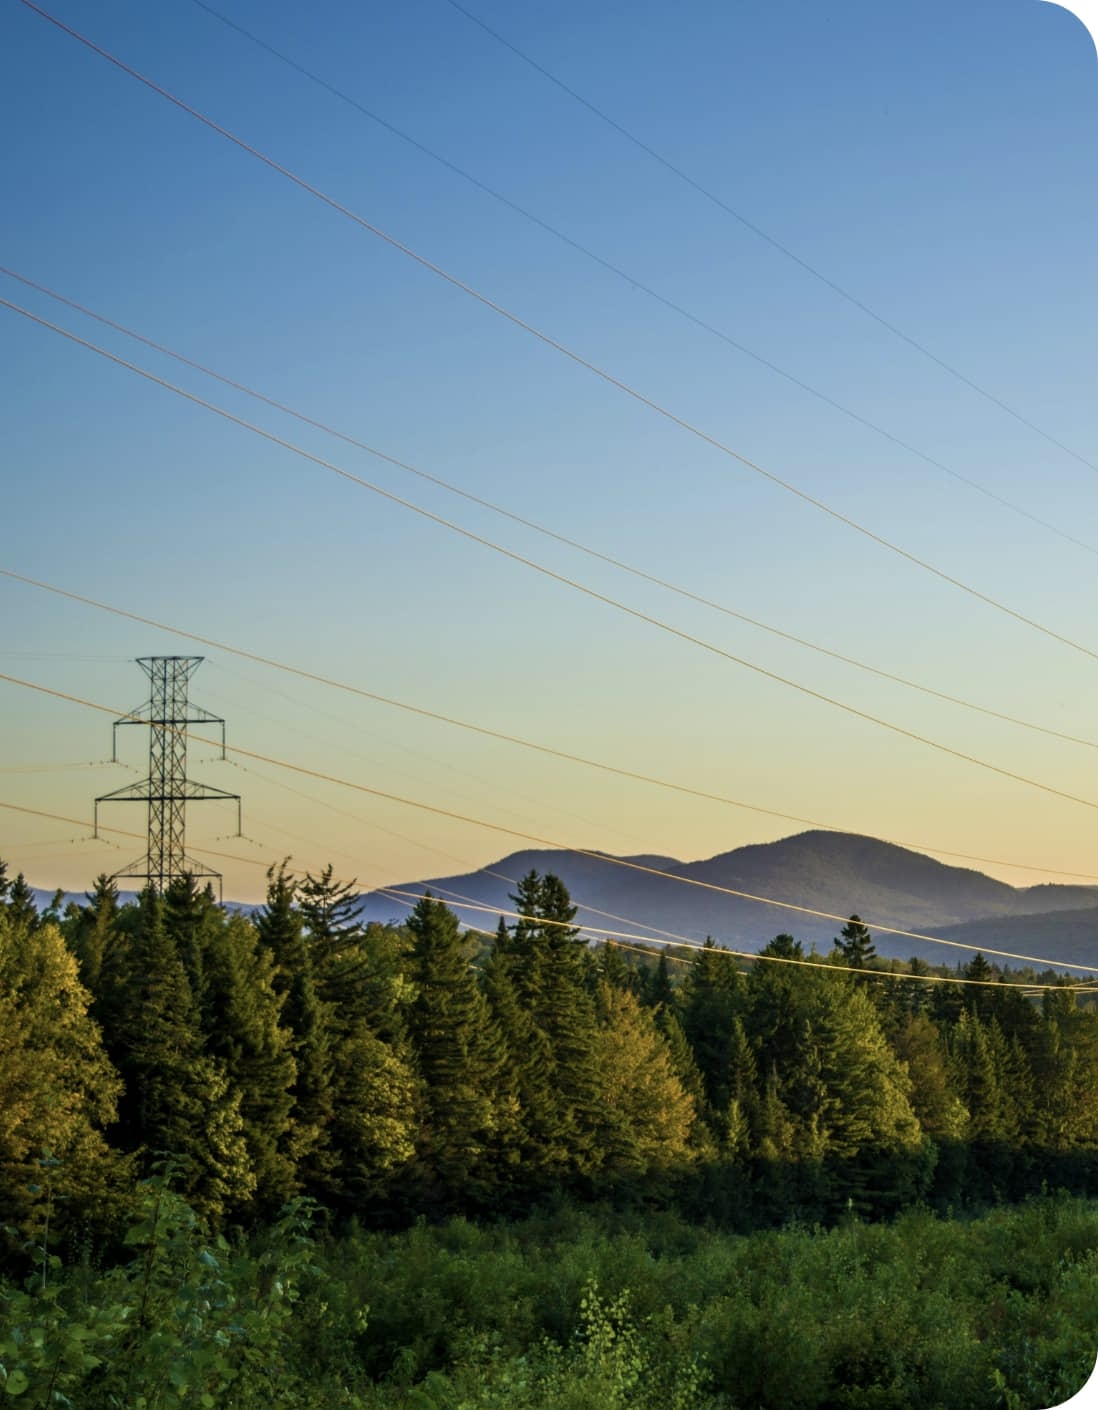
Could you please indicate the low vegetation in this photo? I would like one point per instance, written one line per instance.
(731, 1186)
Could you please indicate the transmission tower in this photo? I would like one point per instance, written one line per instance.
(167, 790)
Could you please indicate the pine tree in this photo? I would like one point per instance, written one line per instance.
(329, 910)
(242, 1026)
(657, 990)
(280, 929)
(93, 929)
(22, 910)
(553, 975)
(373, 1124)
(517, 1078)
(177, 1101)
(454, 1053)
(741, 1113)
(856, 944)
(940, 1110)
(191, 917)
(978, 1077)
(710, 998)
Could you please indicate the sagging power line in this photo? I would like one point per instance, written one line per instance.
(643, 574)
(766, 237)
(601, 857)
(593, 594)
(714, 442)
(636, 283)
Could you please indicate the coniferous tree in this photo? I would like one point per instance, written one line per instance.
(22, 910)
(552, 973)
(453, 1050)
(939, 1108)
(978, 1077)
(281, 932)
(334, 934)
(240, 1017)
(866, 1103)
(741, 1114)
(709, 1000)
(177, 1100)
(192, 918)
(92, 929)
(657, 990)
(855, 944)
(516, 1079)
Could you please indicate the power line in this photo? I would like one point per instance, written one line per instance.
(849, 969)
(603, 857)
(500, 735)
(545, 338)
(769, 239)
(633, 281)
(640, 573)
(562, 578)
(616, 938)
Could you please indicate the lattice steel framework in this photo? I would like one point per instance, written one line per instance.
(167, 790)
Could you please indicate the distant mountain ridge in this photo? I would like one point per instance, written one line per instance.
(834, 872)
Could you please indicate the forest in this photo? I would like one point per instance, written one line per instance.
(290, 1158)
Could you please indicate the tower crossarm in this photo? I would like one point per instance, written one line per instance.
(166, 789)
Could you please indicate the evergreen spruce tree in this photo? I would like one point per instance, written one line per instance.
(281, 932)
(334, 933)
(778, 999)
(867, 1104)
(657, 990)
(855, 944)
(709, 1000)
(19, 900)
(517, 1079)
(177, 1101)
(741, 1114)
(192, 918)
(93, 929)
(934, 1099)
(978, 1077)
(552, 974)
(454, 1053)
(241, 1021)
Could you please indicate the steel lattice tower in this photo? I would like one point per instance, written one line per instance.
(167, 790)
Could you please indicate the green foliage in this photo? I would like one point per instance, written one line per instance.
(568, 1310)
(57, 1089)
(188, 1321)
(855, 944)
(454, 1052)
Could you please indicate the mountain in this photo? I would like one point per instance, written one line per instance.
(833, 872)
(1063, 937)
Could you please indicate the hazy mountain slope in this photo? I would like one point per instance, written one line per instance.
(1067, 937)
(838, 873)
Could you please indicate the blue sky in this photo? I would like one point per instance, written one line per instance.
(936, 161)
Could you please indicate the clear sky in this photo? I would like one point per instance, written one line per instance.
(937, 161)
